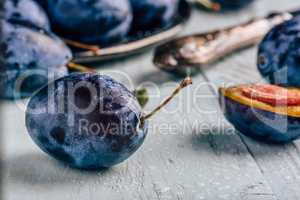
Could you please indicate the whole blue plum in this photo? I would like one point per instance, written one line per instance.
(25, 11)
(88, 121)
(29, 58)
(279, 54)
(149, 14)
(91, 21)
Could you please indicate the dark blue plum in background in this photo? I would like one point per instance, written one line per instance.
(29, 57)
(25, 11)
(279, 54)
(43, 3)
(89, 122)
(149, 14)
(95, 22)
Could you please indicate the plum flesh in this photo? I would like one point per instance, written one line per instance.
(279, 54)
(94, 22)
(149, 14)
(105, 135)
(258, 118)
(30, 58)
(25, 11)
(272, 95)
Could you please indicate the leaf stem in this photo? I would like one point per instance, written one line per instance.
(93, 48)
(81, 68)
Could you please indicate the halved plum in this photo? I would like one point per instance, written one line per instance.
(267, 113)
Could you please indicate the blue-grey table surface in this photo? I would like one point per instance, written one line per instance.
(191, 151)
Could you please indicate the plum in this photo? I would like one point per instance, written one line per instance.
(106, 135)
(28, 58)
(268, 113)
(88, 121)
(25, 11)
(43, 3)
(279, 54)
(224, 5)
(149, 14)
(100, 22)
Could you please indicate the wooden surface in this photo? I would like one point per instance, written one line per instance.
(200, 156)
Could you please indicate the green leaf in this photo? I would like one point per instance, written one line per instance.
(142, 96)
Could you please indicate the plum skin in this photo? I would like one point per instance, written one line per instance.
(94, 22)
(25, 11)
(78, 146)
(26, 50)
(279, 54)
(245, 119)
(149, 14)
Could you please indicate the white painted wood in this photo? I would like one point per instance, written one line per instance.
(279, 164)
(201, 158)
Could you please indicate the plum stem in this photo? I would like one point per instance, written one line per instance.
(186, 82)
(81, 68)
(93, 48)
(210, 5)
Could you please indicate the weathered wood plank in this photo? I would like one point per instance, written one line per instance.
(201, 158)
(279, 164)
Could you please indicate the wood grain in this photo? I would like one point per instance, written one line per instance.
(191, 152)
(279, 164)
